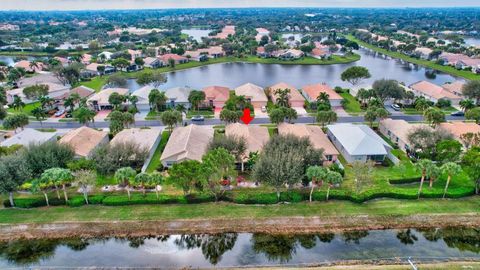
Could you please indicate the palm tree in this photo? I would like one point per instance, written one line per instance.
(241, 102)
(41, 185)
(422, 165)
(84, 115)
(39, 114)
(156, 179)
(69, 102)
(33, 65)
(84, 179)
(433, 172)
(316, 174)
(450, 169)
(323, 97)
(421, 104)
(17, 103)
(467, 104)
(141, 180)
(332, 178)
(124, 176)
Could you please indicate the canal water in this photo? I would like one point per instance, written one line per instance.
(235, 74)
(245, 249)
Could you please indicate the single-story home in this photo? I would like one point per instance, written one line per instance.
(359, 143)
(397, 131)
(152, 62)
(27, 65)
(99, 101)
(451, 59)
(433, 92)
(81, 91)
(423, 52)
(146, 138)
(91, 70)
(85, 140)
(178, 59)
(255, 136)
(216, 96)
(253, 93)
(54, 90)
(106, 55)
(312, 91)
(186, 143)
(210, 52)
(288, 54)
(262, 53)
(142, 94)
(295, 98)
(29, 136)
(226, 31)
(178, 96)
(86, 58)
(316, 136)
(196, 56)
(458, 128)
(134, 54)
(454, 88)
(473, 63)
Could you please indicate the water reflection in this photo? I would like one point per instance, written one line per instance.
(232, 249)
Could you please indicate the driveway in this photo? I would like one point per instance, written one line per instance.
(259, 114)
(300, 111)
(101, 115)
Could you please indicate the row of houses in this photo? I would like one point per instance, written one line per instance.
(449, 91)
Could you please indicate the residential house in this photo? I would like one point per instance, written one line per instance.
(145, 138)
(255, 136)
(262, 53)
(105, 55)
(423, 52)
(261, 32)
(86, 58)
(84, 140)
(142, 93)
(216, 96)
(210, 52)
(320, 53)
(91, 70)
(29, 136)
(186, 143)
(226, 31)
(359, 143)
(54, 90)
(312, 91)
(134, 54)
(288, 54)
(253, 93)
(451, 59)
(397, 131)
(99, 101)
(316, 136)
(63, 61)
(296, 99)
(196, 56)
(152, 62)
(81, 91)
(470, 63)
(178, 96)
(433, 92)
(165, 59)
(28, 66)
(454, 88)
(458, 128)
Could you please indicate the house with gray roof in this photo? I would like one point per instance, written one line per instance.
(142, 95)
(359, 143)
(178, 96)
(30, 136)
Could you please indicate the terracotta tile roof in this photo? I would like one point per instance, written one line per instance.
(458, 128)
(173, 56)
(432, 90)
(252, 91)
(314, 90)
(400, 128)
(294, 93)
(455, 87)
(84, 140)
(315, 134)
(81, 90)
(216, 93)
(26, 65)
(145, 138)
(255, 136)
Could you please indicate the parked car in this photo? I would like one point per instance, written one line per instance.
(458, 113)
(59, 113)
(198, 118)
(395, 107)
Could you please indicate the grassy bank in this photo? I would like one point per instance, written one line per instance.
(384, 207)
(429, 64)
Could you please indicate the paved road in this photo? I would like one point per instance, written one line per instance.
(152, 123)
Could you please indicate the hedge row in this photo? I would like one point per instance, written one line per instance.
(293, 196)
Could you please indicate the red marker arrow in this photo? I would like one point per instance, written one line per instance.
(246, 117)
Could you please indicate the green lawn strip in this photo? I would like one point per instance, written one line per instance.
(413, 111)
(155, 161)
(384, 207)
(27, 109)
(430, 64)
(204, 113)
(352, 106)
(96, 83)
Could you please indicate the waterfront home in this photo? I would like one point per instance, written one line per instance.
(134, 54)
(178, 59)
(54, 90)
(295, 99)
(29, 136)
(28, 66)
(253, 93)
(105, 55)
(288, 54)
(458, 128)
(226, 31)
(152, 62)
(397, 43)
(317, 137)
(145, 138)
(186, 143)
(451, 59)
(470, 63)
(397, 131)
(142, 93)
(99, 101)
(62, 60)
(312, 91)
(423, 52)
(216, 96)
(205, 53)
(320, 53)
(81, 91)
(261, 32)
(196, 56)
(262, 53)
(433, 92)
(255, 136)
(91, 70)
(359, 143)
(454, 88)
(178, 96)
(86, 58)
(84, 140)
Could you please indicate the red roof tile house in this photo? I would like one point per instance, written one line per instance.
(458, 128)
(433, 92)
(312, 91)
(295, 98)
(27, 65)
(216, 96)
(454, 88)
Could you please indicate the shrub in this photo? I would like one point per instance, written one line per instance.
(258, 198)
(140, 199)
(199, 198)
(34, 202)
(293, 196)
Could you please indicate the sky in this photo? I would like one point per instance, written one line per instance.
(160, 4)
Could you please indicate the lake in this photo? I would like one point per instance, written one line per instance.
(236, 74)
(244, 249)
(472, 41)
(10, 60)
(197, 34)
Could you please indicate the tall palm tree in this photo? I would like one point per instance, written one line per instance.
(124, 176)
(17, 103)
(141, 180)
(422, 165)
(467, 104)
(433, 172)
(332, 178)
(156, 179)
(450, 169)
(39, 114)
(316, 174)
(323, 97)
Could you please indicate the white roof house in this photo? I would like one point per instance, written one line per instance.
(178, 95)
(54, 90)
(142, 95)
(252, 92)
(100, 99)
(29, 136)
(358, 142)
(186, 143)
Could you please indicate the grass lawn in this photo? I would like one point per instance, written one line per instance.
(383, 207)
(352, 106)
(304, 60)
(155, 162)
(429, 64)
(27, 109)
(96, 83)
(412, 111)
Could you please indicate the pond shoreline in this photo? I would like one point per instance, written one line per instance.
(276, 225)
